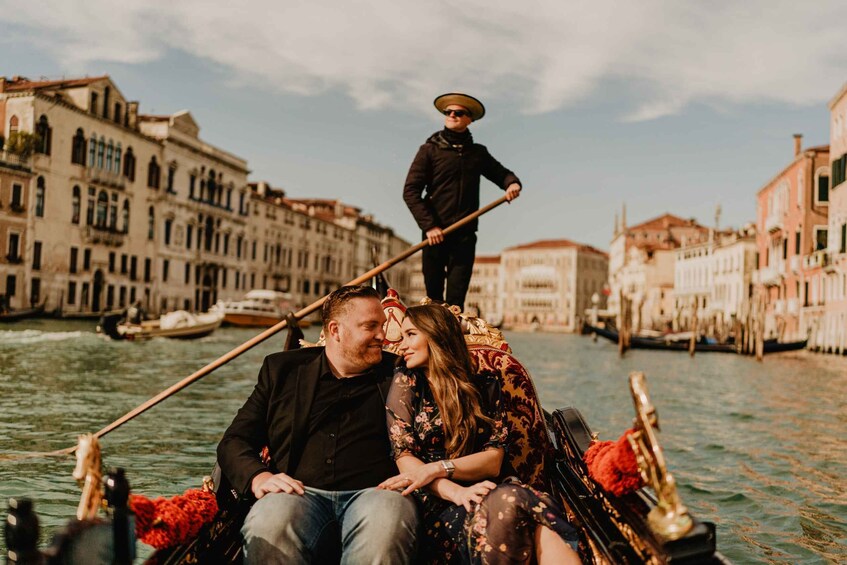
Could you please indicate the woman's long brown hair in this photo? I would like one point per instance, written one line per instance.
(449, 373)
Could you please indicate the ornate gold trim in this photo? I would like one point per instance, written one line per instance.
(669, 519)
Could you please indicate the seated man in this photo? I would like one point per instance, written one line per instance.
(321, 412)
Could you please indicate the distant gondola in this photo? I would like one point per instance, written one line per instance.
(701, 345)
(15, 315)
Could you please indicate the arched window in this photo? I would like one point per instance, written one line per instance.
(13, 124)
(45, 136)
(40, 189)
(211, 186)
(129, 164)
(75, 204)
(113, 213)
(78, 148)
(101, 150)
(117, 115)
(125, 217)
(92, 150)
(151, 223)
(106, 93)
(110, 151)
(117, 168)
(153, 173)
(102, 209)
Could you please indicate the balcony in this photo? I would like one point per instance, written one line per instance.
(103, 235)
(768, 276)
(795, 264)
(817, 259)
(779, 307)
(14, 161)
(104, 177)
(792, 306)
(774, 223)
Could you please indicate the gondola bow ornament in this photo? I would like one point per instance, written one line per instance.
(635, 460)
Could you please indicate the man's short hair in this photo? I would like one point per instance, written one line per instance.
(337, 301)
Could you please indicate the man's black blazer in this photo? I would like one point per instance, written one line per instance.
(277, 415)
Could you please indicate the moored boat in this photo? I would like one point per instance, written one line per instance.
(681, 342)
(15, 315)
(259, 308)
(178, 324)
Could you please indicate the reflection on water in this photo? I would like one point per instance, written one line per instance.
(757, 448)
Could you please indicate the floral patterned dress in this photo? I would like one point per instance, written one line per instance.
(499, 530)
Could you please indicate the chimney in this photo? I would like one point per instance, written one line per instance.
(132, 115)
(798, 139)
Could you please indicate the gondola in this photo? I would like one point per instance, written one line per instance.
(701, 345)
(15, 315)
(648, 525)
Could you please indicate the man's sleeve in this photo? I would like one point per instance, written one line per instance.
(497, 173)
(417, 181)
(238, 451)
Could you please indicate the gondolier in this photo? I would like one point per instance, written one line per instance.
(443, 186)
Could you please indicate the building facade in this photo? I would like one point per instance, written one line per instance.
(114, 207)
(792, 225)
(484, 298)
(828, 287)
(15, 188)
(548, 284)
(642, 267)
(714, 279)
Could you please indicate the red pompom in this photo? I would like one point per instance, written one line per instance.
(613, 465)
(164, 523)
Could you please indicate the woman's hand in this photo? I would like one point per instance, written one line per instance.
(414, 479)
(474, 493)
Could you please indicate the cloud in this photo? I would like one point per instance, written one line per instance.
(661, 55)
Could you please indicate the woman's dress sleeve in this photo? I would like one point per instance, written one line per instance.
(400, 412)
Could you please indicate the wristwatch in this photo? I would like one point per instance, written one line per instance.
(449, 467)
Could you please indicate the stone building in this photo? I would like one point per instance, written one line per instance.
(114, 206)
(792, 225)
(641, 266)
(484, 298)
(548, 284)
(715, 277)
(15, 176)
(827, 294)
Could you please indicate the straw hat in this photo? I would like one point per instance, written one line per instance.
(473, 105)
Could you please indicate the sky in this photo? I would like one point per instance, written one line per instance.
(659, 105)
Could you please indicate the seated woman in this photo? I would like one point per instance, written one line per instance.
(449, 437)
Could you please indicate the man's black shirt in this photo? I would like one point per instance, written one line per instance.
(347, 444)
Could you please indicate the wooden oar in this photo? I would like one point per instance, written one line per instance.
(249, 344)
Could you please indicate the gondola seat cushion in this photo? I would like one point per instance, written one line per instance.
(528, 439)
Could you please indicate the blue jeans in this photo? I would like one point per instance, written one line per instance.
(368, 526)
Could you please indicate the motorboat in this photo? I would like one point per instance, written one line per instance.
(178, 324)
(259, 308)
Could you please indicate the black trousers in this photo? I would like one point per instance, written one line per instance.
(450, 261)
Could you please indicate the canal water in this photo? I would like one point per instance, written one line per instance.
(758, 448)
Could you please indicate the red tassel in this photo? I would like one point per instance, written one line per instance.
(613, 465)
(164, 523)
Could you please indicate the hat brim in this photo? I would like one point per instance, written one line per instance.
(473, 105)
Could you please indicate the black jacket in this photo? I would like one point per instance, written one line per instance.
(277, 415)
(449, 173)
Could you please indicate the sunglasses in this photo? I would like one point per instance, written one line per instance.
(457, 113)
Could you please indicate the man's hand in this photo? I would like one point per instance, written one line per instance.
(267, 482)
(435, 236)
(512, 192)
(472, 494)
